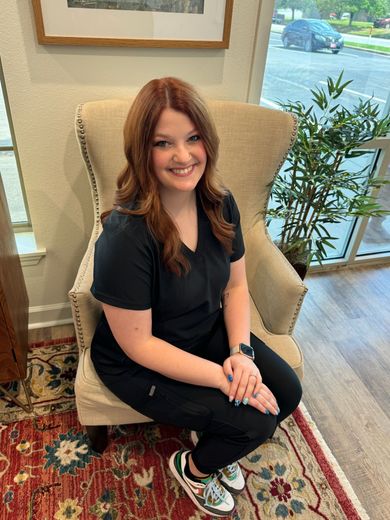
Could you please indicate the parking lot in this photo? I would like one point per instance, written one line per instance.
(291, 73)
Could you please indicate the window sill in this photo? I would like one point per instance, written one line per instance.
(27, 249)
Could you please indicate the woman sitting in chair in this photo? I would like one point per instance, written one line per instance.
(173, 341)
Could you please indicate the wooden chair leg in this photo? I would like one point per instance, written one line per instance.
(98, 437)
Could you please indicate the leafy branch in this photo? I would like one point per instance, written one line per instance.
(319, 187)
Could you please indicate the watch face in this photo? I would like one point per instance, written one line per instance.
(247, 350)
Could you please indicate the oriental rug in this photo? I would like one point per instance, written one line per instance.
(47, 470)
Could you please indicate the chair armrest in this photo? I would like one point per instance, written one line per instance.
(274, 285)
(86, 310)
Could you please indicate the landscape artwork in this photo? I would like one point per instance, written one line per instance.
(168, 6)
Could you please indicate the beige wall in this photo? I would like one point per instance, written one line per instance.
(45, 83)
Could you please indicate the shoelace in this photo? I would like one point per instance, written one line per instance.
(213, 491)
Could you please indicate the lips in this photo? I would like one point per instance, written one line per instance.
(183, 172)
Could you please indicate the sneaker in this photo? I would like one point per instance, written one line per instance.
(232, 479)
(208, 494)
(231, 476)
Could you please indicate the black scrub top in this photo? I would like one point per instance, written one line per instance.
(129, 273)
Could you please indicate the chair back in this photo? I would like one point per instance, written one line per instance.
(254, 142)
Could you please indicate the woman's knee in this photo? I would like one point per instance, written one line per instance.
(295, 390)
(259, 429)
(291, 396)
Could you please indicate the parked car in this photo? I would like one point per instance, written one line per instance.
(382, 23)
(344, 16)
(277, 17)
(312, 35)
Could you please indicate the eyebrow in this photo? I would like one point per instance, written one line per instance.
(166, 136)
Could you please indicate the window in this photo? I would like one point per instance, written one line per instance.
(9, 164)
(299, 60)
(376, 237)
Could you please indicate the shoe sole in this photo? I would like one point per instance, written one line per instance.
(184, 485)
(231, 490)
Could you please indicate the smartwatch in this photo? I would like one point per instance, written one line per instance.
(246, 350)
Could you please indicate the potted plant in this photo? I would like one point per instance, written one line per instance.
(318, 187)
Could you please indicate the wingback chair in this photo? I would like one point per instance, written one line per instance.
(254, 142)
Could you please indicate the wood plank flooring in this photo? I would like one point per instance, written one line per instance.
(49, 333)
(344, 332)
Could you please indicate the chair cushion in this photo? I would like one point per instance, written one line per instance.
(96, 404)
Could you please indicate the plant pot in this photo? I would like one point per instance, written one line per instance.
(298, 259)
(301, 268)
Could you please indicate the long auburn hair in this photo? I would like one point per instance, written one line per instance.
(137, 183)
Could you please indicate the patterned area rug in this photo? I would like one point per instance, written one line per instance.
(48, 472)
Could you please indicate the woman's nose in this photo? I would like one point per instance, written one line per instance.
(181, 154)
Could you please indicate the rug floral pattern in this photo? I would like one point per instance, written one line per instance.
(47, 470)
(51, 371)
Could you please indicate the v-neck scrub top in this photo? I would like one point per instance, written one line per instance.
(129, 273)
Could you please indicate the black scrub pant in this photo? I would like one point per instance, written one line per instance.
(229, 432)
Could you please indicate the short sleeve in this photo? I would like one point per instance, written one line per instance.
(123, 264)
(232, 215)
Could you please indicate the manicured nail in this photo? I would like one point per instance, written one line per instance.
(230, 378)
(266, 411)
(255, 395)
(245, 401)
(237, 402)
(230, 398)
(278, 411)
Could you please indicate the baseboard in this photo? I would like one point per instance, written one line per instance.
(42, 316)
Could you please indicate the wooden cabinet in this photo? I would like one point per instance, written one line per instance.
(13, 303)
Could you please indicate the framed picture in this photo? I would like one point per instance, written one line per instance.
(134, 23)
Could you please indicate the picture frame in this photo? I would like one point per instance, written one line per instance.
(116, 23)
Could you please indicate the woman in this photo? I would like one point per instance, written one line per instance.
(171, 252)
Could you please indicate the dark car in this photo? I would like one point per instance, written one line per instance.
(312, 35)
(382, 23)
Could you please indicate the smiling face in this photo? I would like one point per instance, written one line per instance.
(178, 154)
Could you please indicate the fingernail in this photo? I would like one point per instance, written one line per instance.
(230, 378)
(278, 411)
(255, 395)
(266, 411)
(230, 398)
(245, 401)
(237, 402)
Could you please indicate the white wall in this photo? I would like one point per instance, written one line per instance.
(45, 83)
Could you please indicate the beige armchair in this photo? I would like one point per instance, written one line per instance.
(254, 144)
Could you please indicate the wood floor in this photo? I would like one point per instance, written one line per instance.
(50, 333)
(344, 332)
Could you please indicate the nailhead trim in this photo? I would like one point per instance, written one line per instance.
(73, 294)
(264, 212)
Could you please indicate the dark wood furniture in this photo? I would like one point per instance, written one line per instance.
(13, 308)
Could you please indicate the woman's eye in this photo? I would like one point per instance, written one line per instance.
(194, 138)
(161, 144)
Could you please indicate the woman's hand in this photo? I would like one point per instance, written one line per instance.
(247, 386)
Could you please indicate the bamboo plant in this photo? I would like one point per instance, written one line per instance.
(318, 187)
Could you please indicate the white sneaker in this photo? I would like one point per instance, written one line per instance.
(231, 476)
(232, 479)
(207, 494)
